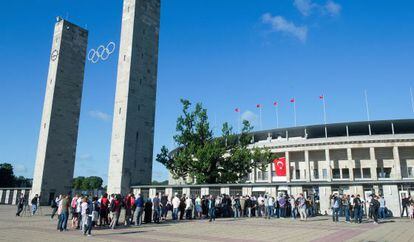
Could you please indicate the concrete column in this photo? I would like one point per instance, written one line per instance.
(351, 163)
(204, 191)
(186, 191)
(270, 172)
(373, 165)
(225, 190)
(392, 200)
(287, 166)
(6, 200)
(151, 192)
(397, 163)
(271, 191)
(14, 197)
(136, 191)
(296, 190)
(324, 200)
(328, 159)
(1, 196)
(169, 192)
(307, 165)
(247, 191)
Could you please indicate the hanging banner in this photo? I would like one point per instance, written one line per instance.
(280, 166)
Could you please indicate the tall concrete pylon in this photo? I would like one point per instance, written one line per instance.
(130, 161)
(55, 159)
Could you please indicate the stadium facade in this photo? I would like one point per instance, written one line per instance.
(345, 158)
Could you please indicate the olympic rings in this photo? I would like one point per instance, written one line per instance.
(101, 53)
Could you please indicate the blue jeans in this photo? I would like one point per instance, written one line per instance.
(382, 213)
(358, 214)
(175, 214)
(335, 214)
(276, 212)
(34, 209)
(236, 212)
(347, 214)
(63, 221)
(212, 213)
(282, 212)
(269, 210)
(157, 214)
(293, 213)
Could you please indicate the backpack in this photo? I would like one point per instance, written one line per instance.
(112, 206)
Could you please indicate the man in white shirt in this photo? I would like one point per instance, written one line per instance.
(176, 205)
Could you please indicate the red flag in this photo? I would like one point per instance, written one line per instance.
(280, 166)
(258, 106)
(237, 110)
(292, 100)
(321, 97)
(275, 104)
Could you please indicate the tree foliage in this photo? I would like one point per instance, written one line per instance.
(87, 183)
(8, 179)
(207, 159)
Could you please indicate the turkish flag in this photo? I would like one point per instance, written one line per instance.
(237, 110)
(280, 166)
(292, 100)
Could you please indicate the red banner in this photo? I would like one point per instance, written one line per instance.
(280, 166)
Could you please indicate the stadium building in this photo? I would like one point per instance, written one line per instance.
(345, 158)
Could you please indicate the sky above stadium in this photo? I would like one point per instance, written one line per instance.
(226, 54)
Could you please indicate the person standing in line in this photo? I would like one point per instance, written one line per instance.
(63, 213)
(374, 206)
(128, 209)
(164, 208)
(34, 202)
(212, 208)
(182, 206)
(75, 215)
(282, 207)
(270, 206)
(85, 214)
(235, 203)
(293, 207)
(188, 208)
(242, 206)
(79, 211)
(336, 207)
(346, 204)
(157, 208)
(103, 210)
(248, 207)
(382, 209)
(139, 208)
(116, 210)
(198, 207)
(302, 207)
(404, 203)
(357, 209)
(20, 204)
(176, 205)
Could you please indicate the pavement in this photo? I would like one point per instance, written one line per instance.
(41, 228)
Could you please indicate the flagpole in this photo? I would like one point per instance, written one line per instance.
(366, 104)
(294, 111)
(277, 116)
(412, 99)
(260, 111)
(239, 121)
(324, 109)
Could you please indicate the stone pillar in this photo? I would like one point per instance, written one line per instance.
(287, 166)
(307, 165)
(225, 190)
(186, 191)
(296, 190)
(351, 164)
(6, 199)
(136, 191)
(14, 197)
(391, 196)
(397, 163)
(169, 192)
(151, 192)
(328, 160)
(246, 191)
(324, 200)
(1, 196)
(373, 165)
(270, 172)
(271, 191)
(204, 191)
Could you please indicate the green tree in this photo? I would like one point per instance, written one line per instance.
(207, 159)
(6, 175)
(95, 182)
(77, 182)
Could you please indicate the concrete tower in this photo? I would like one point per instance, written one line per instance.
(55, 159)
(130, 161)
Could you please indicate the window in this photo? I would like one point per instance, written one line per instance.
(345, 173)
(384, 172)
(315, 174)
(410, 172)
(297, 174)
(336, 173)
(324, 173)
(366, 172)
(357, 173)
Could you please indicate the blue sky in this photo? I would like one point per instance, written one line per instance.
(226, 54)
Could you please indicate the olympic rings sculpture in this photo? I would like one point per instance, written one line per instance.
(101, 53)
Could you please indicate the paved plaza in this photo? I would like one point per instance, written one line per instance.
(41, 228)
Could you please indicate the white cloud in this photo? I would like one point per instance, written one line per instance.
(19, 168)
(249, 116)
(280, 24)
(85, 157)
(100, 115)
(333, 8)
(304, 6)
